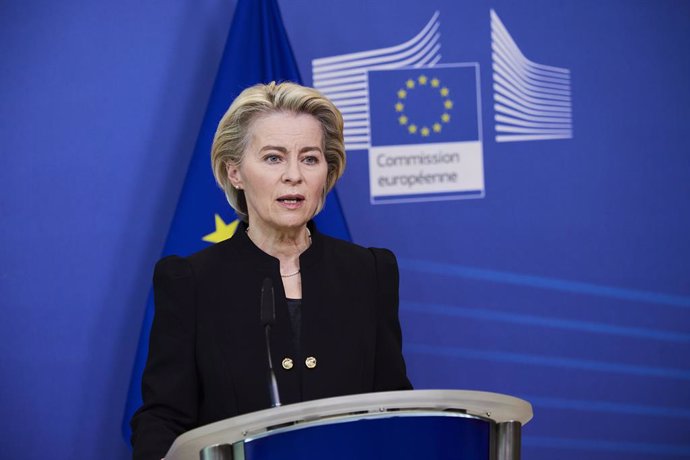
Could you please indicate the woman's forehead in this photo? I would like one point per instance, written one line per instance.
(286, 129)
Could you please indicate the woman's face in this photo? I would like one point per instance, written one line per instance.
(283, 171)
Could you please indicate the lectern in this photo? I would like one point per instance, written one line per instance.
(417, 424)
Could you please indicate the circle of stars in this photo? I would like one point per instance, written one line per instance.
(413, 84)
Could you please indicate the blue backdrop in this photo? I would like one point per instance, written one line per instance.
(567, 282)
(565, 279)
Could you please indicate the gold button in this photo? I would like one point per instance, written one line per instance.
(287, 364)
(310, 362)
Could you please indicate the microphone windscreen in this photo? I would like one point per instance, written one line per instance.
(268, 308)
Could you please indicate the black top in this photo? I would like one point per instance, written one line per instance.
(295, 313)
(207, 356)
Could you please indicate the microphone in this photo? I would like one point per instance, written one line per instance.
(268, 318)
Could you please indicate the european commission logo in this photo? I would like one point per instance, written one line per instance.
(420, 120)
(426, 144)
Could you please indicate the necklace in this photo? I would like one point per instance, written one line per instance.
(290, 275)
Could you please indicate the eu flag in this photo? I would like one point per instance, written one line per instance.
(257, 51)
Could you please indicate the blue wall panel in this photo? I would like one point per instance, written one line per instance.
(568, 283)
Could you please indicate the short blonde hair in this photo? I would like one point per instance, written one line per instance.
(232, 136)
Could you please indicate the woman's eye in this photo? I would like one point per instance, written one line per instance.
(311, 160)
(272, 158)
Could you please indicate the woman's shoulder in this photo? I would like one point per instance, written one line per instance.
(176, 266)
(172, 266)
(341, 248)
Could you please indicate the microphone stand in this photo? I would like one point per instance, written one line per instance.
(268, 317)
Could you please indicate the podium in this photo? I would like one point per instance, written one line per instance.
(416, 424)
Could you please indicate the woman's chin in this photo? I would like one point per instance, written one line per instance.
(292, 218)
(292, 221)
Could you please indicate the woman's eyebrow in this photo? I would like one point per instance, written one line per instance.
(273, 147)
(309, 149)
(284, 150)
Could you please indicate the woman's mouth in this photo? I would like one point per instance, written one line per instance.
(291, 201)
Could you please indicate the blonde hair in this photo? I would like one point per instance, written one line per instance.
(233, 134)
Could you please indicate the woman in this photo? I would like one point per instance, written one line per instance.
(277, 152)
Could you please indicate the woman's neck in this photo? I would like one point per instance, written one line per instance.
(286, 246)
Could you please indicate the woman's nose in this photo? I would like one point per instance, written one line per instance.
(292, 172)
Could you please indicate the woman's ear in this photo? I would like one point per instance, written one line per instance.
(234, 175)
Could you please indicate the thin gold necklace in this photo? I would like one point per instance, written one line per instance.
(290, 275)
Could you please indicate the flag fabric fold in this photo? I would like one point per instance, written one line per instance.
(257, 51)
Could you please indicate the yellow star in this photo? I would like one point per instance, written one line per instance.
(399, 107)
(445, 91)
(402, 94)
(422, 79)
(445, 118)
(448, 104)
(437, 127)
(409, 84)
(412, 129)
(402, 119)
(223, 231)
(435, 82)
(425, 131)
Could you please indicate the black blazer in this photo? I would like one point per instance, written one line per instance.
(207, 355)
